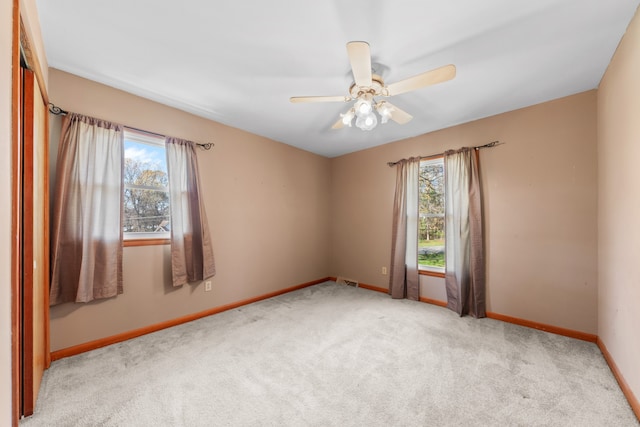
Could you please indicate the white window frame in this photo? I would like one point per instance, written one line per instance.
(153, 140)
(426, 268)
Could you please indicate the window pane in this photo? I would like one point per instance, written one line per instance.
(431, 225)
(431, 243)
(145, 164)
(432, 188)
(146, 211)
(146, 199)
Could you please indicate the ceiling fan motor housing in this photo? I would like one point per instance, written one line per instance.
(376, 89)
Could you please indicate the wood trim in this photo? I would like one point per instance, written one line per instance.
(365, 286)
(16, 230)
(544, 327)
(23, 400)
(626, 390)
(373, 288)
(47, 244)
(434, 301)
(527, 323)
(432, 157)
(28, 256)
(33, 62)
(146, 242)
(431, 273)
(92, 345)
(509, 319)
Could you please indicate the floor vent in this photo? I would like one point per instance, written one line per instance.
(344, 281)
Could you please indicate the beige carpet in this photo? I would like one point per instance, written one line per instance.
(333, 355)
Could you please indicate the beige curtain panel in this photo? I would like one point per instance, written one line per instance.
(404, 279)
(87, 217)
(464, 243)
(191, 247)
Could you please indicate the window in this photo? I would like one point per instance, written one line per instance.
(146, 195)
(431, 219)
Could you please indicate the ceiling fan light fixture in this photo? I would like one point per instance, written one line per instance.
(348, 117)
(367, 121)
(363, 107)
(385, 110)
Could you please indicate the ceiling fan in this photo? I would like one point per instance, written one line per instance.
(368, 86)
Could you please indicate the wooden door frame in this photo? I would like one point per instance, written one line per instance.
(16, 223)
(21, 48)
(28, 245)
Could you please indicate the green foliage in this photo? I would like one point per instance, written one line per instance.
(431, 220)
(435, 259)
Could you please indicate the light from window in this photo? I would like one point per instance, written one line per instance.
(146, 195)
(431, 220)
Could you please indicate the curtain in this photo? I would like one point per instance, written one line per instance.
(86, 241)
(404, 277)
(191, 247)
(464, 245)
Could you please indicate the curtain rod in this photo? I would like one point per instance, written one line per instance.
(54, 109)
(477, 147)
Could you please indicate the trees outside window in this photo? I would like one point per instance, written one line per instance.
(431, 215)
(146, 195)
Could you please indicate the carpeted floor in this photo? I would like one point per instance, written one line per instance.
(333, 355)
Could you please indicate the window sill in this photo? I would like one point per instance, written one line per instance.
(146, 242)
(431, 273)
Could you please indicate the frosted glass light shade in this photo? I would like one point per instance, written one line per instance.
(367, 121)
(363, 107)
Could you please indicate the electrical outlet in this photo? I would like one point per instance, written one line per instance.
(384, 270)
(207, 286)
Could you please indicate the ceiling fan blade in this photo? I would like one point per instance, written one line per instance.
(339, 124)
(360, 58)
(345, 119)
(341, 98)
(389, 111)
(399, 116)
(432, 77)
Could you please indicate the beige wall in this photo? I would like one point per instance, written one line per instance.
(619, 207)
(267, 205)
(6, 22)
(540, 206)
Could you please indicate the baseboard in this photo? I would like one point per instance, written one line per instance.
(626, 390)
(113, 339)
(544, 327)
(373, 288)
(509, 319)
(528, 323)
(433, 301)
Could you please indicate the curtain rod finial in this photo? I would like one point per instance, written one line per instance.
(206, 145)
(54, 109)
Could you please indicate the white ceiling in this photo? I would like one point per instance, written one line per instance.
(238, 62)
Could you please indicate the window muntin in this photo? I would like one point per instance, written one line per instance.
(146, 193)
(431, 215)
